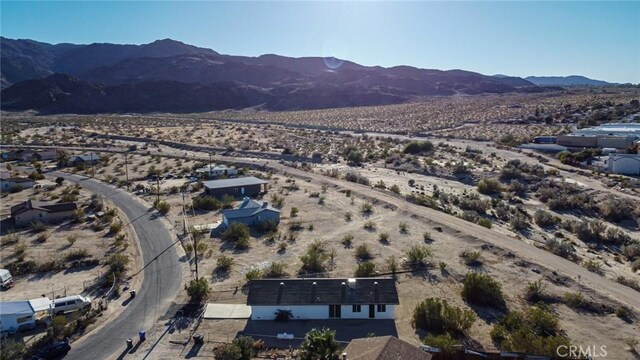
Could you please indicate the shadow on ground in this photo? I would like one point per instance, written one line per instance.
(346, 330)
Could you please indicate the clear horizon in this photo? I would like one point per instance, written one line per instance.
(599, 40)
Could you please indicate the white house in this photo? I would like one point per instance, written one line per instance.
(9, 183)
(214, 170)
(305, 299)
(628, 164)
(21, 315)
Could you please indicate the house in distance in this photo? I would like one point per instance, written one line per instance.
(251, 213)
(355, 298)
(237, 187)
(29, 211)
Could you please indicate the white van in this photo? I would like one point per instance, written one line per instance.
(70, 303)
(6, 280)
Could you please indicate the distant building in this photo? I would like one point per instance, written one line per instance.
(16, 316)
(85, 159)
(237, 187)
(214, 171)
(29, 211)
(627, 164)
(250, 213)
(9, 183)
(46, 155)
(383, 348)
(613, 135)
(307, 299)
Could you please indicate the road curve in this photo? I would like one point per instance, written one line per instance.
(162, 277)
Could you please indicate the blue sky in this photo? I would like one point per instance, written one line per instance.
(596, 39)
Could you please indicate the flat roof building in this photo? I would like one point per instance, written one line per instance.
(237, 187)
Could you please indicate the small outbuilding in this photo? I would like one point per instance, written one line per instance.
(250, 213)
(29, 211)
(627, 164)
(322, 298)
(16, 316)
(237, 187)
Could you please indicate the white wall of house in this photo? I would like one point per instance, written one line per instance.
(16, 322)
(32, 215)
(318, 312)
(629, 165)
(7, 185)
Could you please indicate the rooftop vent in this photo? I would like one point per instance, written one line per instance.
(352, 283)
(281, 284)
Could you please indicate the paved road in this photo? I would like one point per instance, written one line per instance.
(161, 284)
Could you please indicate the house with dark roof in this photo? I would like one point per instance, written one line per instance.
(250, 213)
(236, 187)
(87, 159)
(10, 183)
(42, 155)
(354, 298)
(383, 348)
(30, 211)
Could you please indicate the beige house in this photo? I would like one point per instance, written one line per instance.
(9, 183)
(30, 211)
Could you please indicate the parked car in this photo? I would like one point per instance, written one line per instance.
(192, 179)
(70, 303)
(53, 351)
(6, 280)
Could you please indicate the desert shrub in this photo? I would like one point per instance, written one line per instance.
(395, 189)
(445, 342)
(417, 147)
(623, 312)
(315, 258)
(276, 269)
(347, 240)
(294, 212)
(252, 274)
(535, 290)
(437, 316)
(616, 209)
(347, 216)
(356, 178)
(631, 251)
(534, 331)
(519, 222)
(366, 208)
(42, 237)
(163, 207)
(593, 266)
(616, 236)
(471, 258)
(363, 253)
(198, 290)
(206, 202)
(118, 265)
(392, 264)
(365, 269)
(628, 282)
(238, 234)
(38, 226)
(403, 227)
(295, 225)
(417, 254)
(383, 237)
(543, 218)
(224, 263)
(115, 227)
(576, 300)
(482, 289)
(426, 236)
(369, 225)
(77, 254)
(489, 186)
(277, 201)
(561, 248)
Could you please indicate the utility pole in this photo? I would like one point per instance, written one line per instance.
(158, 189)
(126, 169)
(210, 164)
(93, 169)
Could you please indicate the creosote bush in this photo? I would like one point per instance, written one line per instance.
(437, 316)
(482, 289)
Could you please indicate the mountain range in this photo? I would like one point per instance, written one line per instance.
(572, 80)
(170, 76)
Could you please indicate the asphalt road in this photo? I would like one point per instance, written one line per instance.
(162, 278)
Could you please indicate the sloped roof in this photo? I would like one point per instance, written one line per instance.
(235, 182)
(87, 157)
(322, 291)
(383, 348)
(16, 308)
(248, 208)
(32, 204)
(16, 179)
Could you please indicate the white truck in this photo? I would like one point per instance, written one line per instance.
(6, 280)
